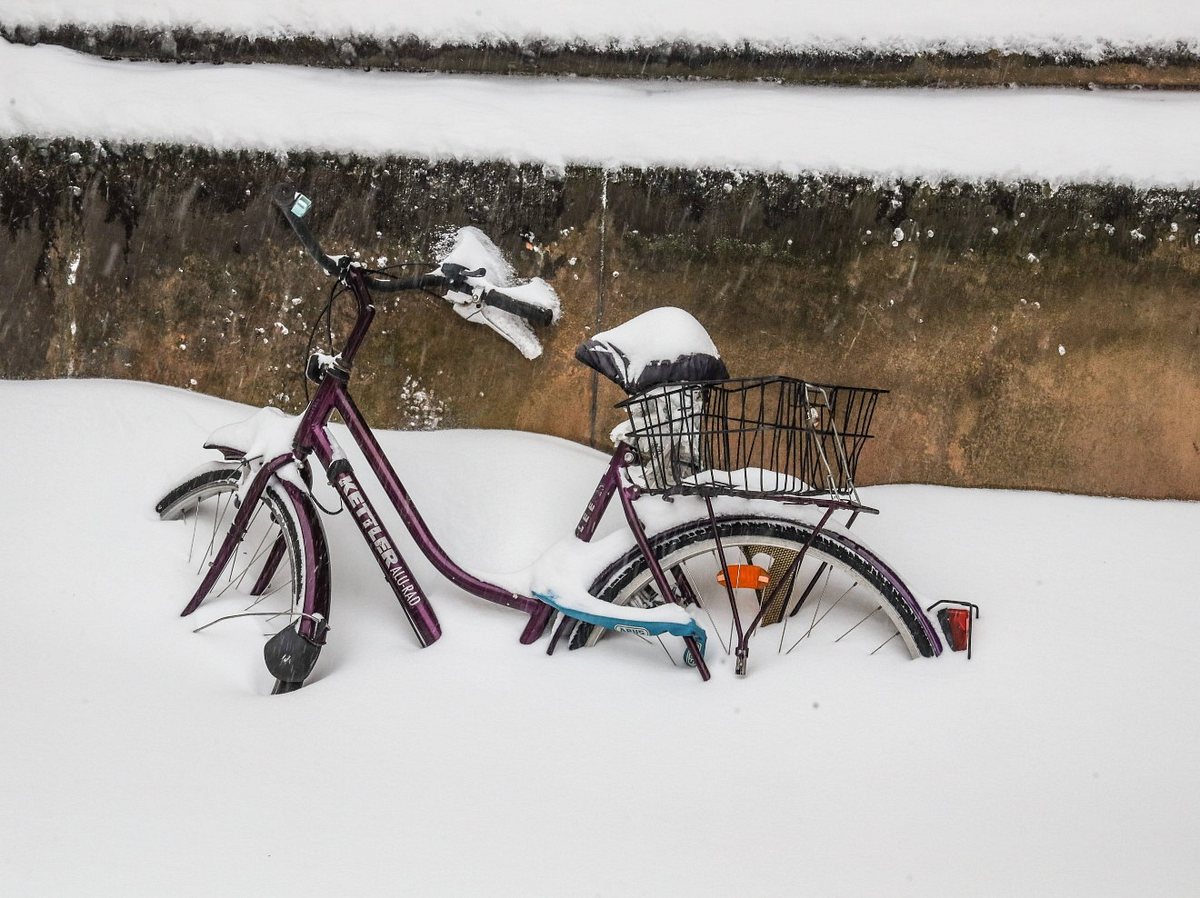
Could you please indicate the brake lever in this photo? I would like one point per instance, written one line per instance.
(456, 276)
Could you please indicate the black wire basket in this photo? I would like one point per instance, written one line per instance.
(758, 437)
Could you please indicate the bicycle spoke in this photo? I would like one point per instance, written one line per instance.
(817, 620)
(242, 576)
(717, 632)
(828, 572)
(272, 592)
(667, 650)
(647, 641)
(834, 605)
(886, 641)
(258, 552)
(855, 627)
(217, 518)
(816, 611)
(726, 646)
(195, 526)
(235, 579)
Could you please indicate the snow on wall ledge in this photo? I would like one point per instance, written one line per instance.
(1087, 28)
(1143, 139)
(1173, 65)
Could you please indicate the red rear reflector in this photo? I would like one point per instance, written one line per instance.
(956, 624)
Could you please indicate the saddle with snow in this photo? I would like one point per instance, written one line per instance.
(662, 346)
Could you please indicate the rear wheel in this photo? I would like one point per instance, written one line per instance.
(839, 595)
(271, 564)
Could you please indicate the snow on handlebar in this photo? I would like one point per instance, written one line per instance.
(497, 302)
(482, 287)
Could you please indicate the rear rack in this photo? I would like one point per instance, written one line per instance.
(759, 437)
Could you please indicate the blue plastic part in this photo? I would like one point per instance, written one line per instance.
(625, 625)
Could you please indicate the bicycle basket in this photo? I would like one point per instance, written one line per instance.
(762, 437)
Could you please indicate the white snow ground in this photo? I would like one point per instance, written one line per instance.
(141, 759)
(1082, 26)
(1149, 138)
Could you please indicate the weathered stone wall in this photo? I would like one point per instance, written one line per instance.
(1030, 337)
(1167, 67)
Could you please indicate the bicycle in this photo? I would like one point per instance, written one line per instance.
(752, 471)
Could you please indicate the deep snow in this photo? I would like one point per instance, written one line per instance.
(1089, 27)
(139, 758)
(1148, 138)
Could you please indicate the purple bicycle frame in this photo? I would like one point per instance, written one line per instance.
(312, 438)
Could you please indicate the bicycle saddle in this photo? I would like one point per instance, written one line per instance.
(664, 345)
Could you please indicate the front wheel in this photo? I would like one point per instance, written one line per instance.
(280, 566)
(841, 594)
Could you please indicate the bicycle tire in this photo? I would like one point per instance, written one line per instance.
(629, 576)
(288, 508)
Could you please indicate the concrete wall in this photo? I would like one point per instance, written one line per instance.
(1031, 337)
(1152, 66)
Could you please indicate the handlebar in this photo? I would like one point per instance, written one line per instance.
(531, 313)
(295, 205)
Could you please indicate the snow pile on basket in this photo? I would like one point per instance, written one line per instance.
(748, 480)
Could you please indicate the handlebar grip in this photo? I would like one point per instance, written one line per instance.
(396, 285)
(527, 310)
(293, 204)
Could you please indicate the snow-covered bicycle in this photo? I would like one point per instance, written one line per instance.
(752, 470)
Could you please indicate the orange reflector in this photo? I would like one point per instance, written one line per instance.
(745, 576)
